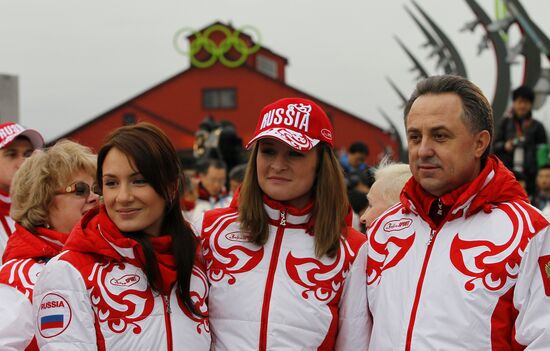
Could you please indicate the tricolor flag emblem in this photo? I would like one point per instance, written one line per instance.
(51, 321)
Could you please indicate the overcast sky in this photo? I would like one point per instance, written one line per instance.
(78, 59)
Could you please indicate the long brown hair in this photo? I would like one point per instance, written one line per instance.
(329, 209)
(156, 159)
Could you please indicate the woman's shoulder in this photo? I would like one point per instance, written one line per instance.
(355, 238)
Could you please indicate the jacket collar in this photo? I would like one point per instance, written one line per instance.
(276, 211)
(44, 243)
(494, 184)
(273, 208)
(5, 203)
(97, 234)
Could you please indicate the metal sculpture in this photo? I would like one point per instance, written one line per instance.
(417, 65)
(437, 48)
(502, 86)
(532, 44)
(453, 57)
(402, 154)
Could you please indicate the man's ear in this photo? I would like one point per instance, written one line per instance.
(482, 142)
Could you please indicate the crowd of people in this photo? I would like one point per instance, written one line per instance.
(298, 248)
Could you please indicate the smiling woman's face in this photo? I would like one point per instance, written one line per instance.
(284, 174)
(131, 202)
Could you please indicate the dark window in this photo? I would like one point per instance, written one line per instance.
(128, 119)
(219, 98)
(267, 66)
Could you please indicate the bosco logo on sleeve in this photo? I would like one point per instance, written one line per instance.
(54, 315)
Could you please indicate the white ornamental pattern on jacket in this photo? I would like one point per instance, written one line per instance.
(121, 299)
(24, 274)
(223, 262)
(387, 251)
(321, 281)
(198, 294)
(490, 264)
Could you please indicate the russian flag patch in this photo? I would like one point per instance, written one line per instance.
(51, 321)
(54, 315)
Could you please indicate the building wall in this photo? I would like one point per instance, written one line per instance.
(9, 98)
(176, 106)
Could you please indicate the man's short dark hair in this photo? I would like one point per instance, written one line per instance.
(204, 164)
(477, 111)
(237, 173)
(358, 147)
(524, 92)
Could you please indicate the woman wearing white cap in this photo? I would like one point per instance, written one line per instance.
(285, 268)
(16, 144)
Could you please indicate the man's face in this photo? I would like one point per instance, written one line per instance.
(443, 153)
(543, 180)
(521, 106)
(214, 180)
(356, 159)
(11, 158)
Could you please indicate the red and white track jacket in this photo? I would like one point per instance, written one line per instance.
(279, 296)
(480, 280)
(25, 256)
(95, 296)
(7, 225)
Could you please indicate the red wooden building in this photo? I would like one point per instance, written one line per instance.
(237, 94)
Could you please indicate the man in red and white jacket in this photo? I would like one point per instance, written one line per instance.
(16, 144)
(463, 262)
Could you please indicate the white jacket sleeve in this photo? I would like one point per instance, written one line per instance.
(532, 294)
(16, 323)
(62, 309)
(354, 320)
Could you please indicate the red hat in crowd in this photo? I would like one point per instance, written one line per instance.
(11, 130)
(300, 123)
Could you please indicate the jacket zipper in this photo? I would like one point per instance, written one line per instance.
(430, 246)
(167, 320)
(269, 282)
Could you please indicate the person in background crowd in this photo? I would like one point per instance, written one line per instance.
(361, 181)
(521, 179)
(521, 141)
(541, 199)
(358, 201)
(16, 144)
(129, 277)
(211, 188)
(463, 262)
(236, 177)
(286, 271)
(354, 160)
(390, 178)
(50, 193)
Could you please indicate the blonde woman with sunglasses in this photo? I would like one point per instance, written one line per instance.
(50, 193)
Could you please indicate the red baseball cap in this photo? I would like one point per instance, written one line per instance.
(11, 130)
(299, 123)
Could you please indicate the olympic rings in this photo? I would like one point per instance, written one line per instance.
(217, 51)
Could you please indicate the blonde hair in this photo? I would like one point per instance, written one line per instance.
(390, 179)
(329, 209)
(42, 175)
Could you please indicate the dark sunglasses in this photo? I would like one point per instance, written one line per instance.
(81, 189)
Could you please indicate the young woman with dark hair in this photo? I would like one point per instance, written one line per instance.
(129, 277)
(286, 270)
